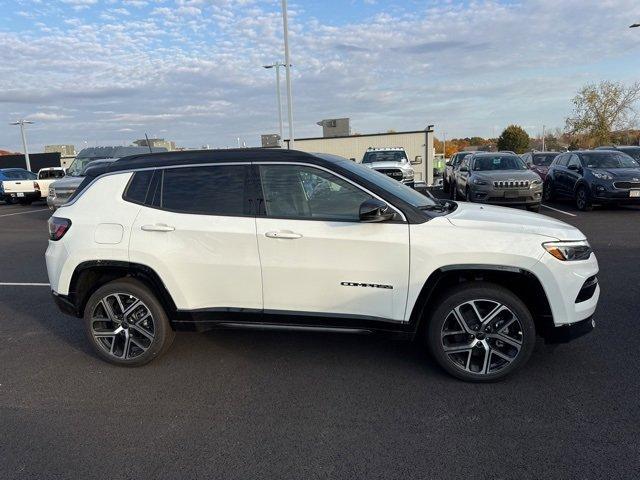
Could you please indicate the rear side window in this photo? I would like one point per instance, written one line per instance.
(138, 186)
(208, 190)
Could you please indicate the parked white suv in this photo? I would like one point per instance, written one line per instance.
(231, 238)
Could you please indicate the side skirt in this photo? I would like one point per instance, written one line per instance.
(199, 320)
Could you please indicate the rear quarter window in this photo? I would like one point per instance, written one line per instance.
(138, 187)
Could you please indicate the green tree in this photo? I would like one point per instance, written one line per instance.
(514, 138)
(600, 109)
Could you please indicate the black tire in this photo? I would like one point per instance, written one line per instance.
(548, 193)
(583, 202)
(98, 325)
(10, 200)
(445, 185)
(533, 208)
(520, 333)
(467, 195)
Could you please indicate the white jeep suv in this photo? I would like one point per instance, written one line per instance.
(234, 238)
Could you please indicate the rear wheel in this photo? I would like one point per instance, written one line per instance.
(481, 332)
(583, 202)
(10, 200)
(126, 324)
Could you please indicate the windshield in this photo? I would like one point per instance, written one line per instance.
(392, 186)
(385, 156)
(497, 162)
(609, 160)
(544, 159)
(79, 166)
(633, 152)
(46, 174)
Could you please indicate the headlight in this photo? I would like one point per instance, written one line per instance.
(569, 251)
(408, 174)
(535, 184)
(477, 181)
(602, 176)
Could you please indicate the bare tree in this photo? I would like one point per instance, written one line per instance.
(600, 109)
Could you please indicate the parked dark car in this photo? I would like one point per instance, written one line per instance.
(448, 174)
(539, 162)
(594, 177)
(498, 178)
(632, 150)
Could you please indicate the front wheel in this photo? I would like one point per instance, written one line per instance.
(583, 202)
(548, 193)
(481, 332)
(126, 324)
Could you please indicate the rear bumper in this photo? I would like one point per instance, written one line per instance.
(65, 304)
(24, 195)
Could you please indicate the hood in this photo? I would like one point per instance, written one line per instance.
(376, 165)
(509, 220)
(498, 175)
(67, 182)
(620, 173)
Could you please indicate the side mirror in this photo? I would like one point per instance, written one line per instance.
(417, 160)
(464, 169)
(374, 210)
(448, 163)
(575, 168)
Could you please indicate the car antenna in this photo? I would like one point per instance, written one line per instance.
(148, 144)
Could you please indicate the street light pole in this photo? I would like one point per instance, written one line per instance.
(277, 66)
(543, 139)
(22, 123)
(287, 66)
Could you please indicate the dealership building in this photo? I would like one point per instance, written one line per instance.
(337, 140)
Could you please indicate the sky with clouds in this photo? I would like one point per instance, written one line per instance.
(101, 72)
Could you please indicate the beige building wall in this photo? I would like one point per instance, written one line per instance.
(416, 144)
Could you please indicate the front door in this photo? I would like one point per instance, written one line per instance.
(317, 257)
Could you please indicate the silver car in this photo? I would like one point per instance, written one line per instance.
(497, 178)
(61, 190)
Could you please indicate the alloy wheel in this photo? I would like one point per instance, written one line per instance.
(481, 336)
(122, 326)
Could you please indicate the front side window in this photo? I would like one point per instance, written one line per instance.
(574, 160)
(307, 193)
(208, 190)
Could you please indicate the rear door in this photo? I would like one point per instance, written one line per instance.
(197, 231)
(318, 259)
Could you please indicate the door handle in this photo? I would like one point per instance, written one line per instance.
(286, 234)
(159, 227)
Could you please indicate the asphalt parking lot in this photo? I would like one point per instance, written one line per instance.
(257, 404)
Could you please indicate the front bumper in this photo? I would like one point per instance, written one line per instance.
(495, 196)
(569, 332)
(604, 193)
(570, 288)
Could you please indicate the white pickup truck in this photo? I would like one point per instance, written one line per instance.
(25, 187)
(19, 185)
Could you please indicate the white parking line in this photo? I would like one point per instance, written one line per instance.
(18, 284)
(557, 210)
(22, 213)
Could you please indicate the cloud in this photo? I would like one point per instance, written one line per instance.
(47, 116)
(193, 67)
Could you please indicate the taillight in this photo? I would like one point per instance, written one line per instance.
(36, 187)
(58, 227)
